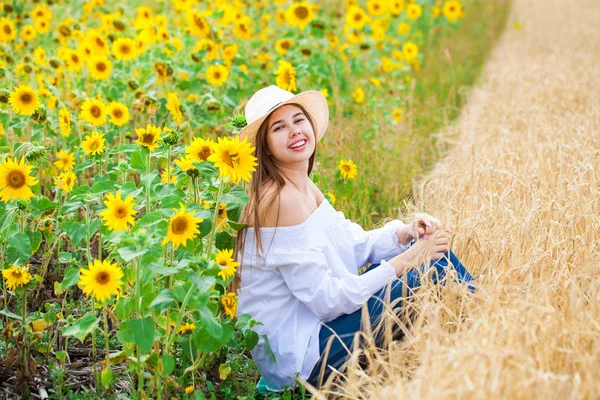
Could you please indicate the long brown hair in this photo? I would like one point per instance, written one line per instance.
(266, 172)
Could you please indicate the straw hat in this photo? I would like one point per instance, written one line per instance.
(270, 98)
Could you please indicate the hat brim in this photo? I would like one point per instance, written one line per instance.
(312, 101)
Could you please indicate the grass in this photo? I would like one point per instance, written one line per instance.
(396, 155)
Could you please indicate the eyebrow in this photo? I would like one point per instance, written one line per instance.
(276, 122)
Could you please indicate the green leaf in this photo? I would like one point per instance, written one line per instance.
(19, 248)
(143, 332)
(138, 161)
(41, 205)
(70, 279)
(64, 257)
(168, 364)
(250, 339)
(82, 327)
(104, 186)
(10, 314)
(75, 230)
(237, 195)
(128, 253)
(164, 300)
(36, 240)
(150, 219)
(148, 178)
(224, 241)
(209, 323)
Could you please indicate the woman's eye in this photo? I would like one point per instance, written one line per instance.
(276, 129)
(299, 120)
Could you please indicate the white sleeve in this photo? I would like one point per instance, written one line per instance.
(375, 245)
(309, 278)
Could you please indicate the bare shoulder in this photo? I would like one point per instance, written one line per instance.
(289, 206)
(318, 195)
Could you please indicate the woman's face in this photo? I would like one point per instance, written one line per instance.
(290, 136)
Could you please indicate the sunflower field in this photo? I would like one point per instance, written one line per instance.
(122, 181)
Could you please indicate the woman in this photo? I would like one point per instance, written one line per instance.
(299, 257)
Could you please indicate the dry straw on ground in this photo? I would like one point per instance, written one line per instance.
(520, 193)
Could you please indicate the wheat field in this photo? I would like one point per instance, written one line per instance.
(519, 192)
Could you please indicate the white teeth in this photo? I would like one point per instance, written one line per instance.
(300, 143)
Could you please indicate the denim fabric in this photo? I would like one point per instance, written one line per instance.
(346, 326)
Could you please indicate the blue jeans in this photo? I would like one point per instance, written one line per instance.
(346, 326)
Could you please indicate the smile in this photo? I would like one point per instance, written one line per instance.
(298, 144)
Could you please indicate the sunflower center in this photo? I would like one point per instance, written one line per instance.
(179, 225)
(75, 58)
(26, 98)
(147, 138)
(95, 111)
(102, 277)
(99, 42)
(101, 67)
(231, 159)
(223, 263)
(357, 17)
(301, 12)
(16, 179)
(68, 181)
(117, 113)
(7, 29)
(285, 45)
(243, 28)
(94, 145)
(17, 274)
(204, 153)
(125, 49)
(199, 22)
(346, 168)
(217, 75)
(120, 212)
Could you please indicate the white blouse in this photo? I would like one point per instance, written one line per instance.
(309, 276)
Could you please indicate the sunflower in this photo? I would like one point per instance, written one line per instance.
(8, 32)
(242, 28)
(216, 75)
(198, 24)
(74, 61)
(163, 71)
(452, 10)
(41, 12)
(410, 51)
(397, 115)
(124, 49)
(376, 7)
(144, 17)
(65, 160)
(396, 7)
(182, 227)
(41, 25)
(229, 52)
(66, 181)
(100, 67)
(230, 304)
(359, 95)
(24, 100)
(119, 213)
(164, 180)
(174, 107)
(413, 11)
(28, 33)
(93, 111)
(222, 218)
(64, 121)
(187, 327)
(300, 14)
(286, 76)
(234, 158)
(102, 279)
(16, 277)
(119, 114)
(348, 169)
(283, 45)
(228, 266)
(97, 42)
(331, 197)
(356, 18)
(186, 163)
(39, 55)
(148, 137)
(93, 144)
(15, 180)
(199, 150)
(209, 46)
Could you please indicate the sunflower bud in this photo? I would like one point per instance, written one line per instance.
(111, 37)
(195, 58)
(35, 154)
(64, 30)
(22, 204)
(4, 95)
(39, 115)
(54, 62)
(193, 173)
(172, 138)
(9, 59)
(239, 121)
(133, 85)
(8, 8)
(27, 68)
(27, 59)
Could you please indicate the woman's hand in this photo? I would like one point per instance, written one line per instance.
(423, 251)
(422, 226)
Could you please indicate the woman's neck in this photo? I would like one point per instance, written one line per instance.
(297, 175)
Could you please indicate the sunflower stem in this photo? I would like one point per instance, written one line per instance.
(168, 164)
(94, 348)
(148, 186)
(166, 349)
(87, 235)
(24, 327)
(214, 225)
(106, 346)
